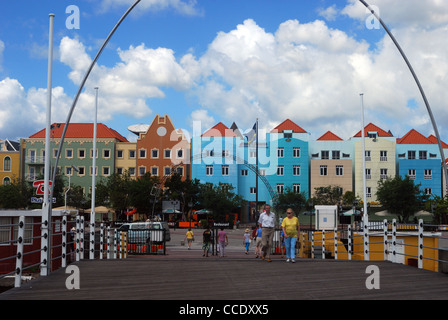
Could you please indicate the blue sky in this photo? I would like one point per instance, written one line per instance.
(223, 61)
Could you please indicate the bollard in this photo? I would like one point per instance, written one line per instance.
(386, 253)
(366, 242)
(420, 243)
(394, 240)
(335, 244)
(19, 257)
(64, 242)
(323, 244)
(312, 244)
(350, 244)
(78, 238)
(101, 240)
(108, 242)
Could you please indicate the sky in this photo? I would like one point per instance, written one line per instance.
(209, 61)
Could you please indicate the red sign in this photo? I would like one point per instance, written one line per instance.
(39, 184)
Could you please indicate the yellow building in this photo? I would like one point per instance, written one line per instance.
(379, 159)
(9, 161)
(126, 158)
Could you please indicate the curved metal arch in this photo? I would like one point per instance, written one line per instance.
(428, 108)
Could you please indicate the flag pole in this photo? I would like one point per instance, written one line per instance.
(256, 167)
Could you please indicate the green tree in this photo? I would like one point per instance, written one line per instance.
(330, 195)
(290, 199)
(220, 199)
(400, 196)
(140, 194)
(439, 208)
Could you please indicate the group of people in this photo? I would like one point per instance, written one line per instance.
(263, 236)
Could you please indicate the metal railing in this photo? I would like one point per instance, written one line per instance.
(67, 246)
(146, 241)
(418, 245)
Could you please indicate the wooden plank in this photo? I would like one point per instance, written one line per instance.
(171, 278)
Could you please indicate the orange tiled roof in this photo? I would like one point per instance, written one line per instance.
(81, 130)
(329, 136)
(413, 137)
(433, 140)
(371, 127)
(288, 125)
(219, 130)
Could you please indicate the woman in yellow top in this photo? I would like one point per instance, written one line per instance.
(189, 237)
(291, 230)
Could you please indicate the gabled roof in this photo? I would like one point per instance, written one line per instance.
(433, 139)
(373, 128)
(329, 136)
(288, 125)
(236, 130)
(413, 137)
(219, 130)
(81, 130)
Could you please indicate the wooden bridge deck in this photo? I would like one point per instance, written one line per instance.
(233, 278)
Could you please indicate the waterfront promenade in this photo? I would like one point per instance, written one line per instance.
(185, 275)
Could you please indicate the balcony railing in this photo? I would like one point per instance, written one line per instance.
(35, 160)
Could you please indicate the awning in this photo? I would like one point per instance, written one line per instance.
(350, 212)
(171, 211)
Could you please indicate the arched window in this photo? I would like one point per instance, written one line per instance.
(7, 164)
(6, 180)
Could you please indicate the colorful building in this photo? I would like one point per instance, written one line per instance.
(331, 163)
(379, 160)
(9, 161)
(419, 159)
(77, 151)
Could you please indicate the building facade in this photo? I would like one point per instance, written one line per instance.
(10, 161)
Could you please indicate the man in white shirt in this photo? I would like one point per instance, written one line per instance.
(267, 221)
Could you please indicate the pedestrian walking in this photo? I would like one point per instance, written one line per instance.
(206, 241)
(246, 239)
(258, 235)
(189, 237)
(223, 241)
(267, 221)
(291, 230)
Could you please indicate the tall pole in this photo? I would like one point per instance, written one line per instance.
(257, 170)
(46, 216)
(365, 217)
(92, 212)
(428, 108)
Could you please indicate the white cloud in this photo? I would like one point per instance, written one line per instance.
(185, 7)
(329, 13)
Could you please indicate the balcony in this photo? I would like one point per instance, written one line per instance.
(30, 160)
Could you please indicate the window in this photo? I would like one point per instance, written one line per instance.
(225, 170)
(180, 153)
(253, 154)
(81, 153)
(368, 192)
(411, 174)
(154, 171)
(428, 174)
(225, 153)
(383, 155)
(262, 172)
(69, 153)
(244, 172)
(106, 171)
(411, 154)
(339, 170)
(296, 170)
(372, 135)
(296, 152)
(91, 171)
(428, 191)
(106, 153)
(368, 156)
(325, 154)
(209, 170)
(91, 153)
(131, 154)
(120, 171)
(280, 170)
(368, 173)
(7, 164)
(141, 171)
(167, 154)
(323, 170)
(154, 153)
(336, 154)
(296, 188)
(120, 154)
(167, 171)
(180, 171)
(253, 190)
(82, 171)
(209, 153)
(6, 180)
(383, 173)
(132, 172)
(280, 152)
(142, 153)
(422, 155)
(280, 188)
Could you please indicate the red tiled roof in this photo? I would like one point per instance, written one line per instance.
(433, 140)
(329, 136)
(413, 137)
(219, 130)
(81, 130)
(288, 125)
(371, 127)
